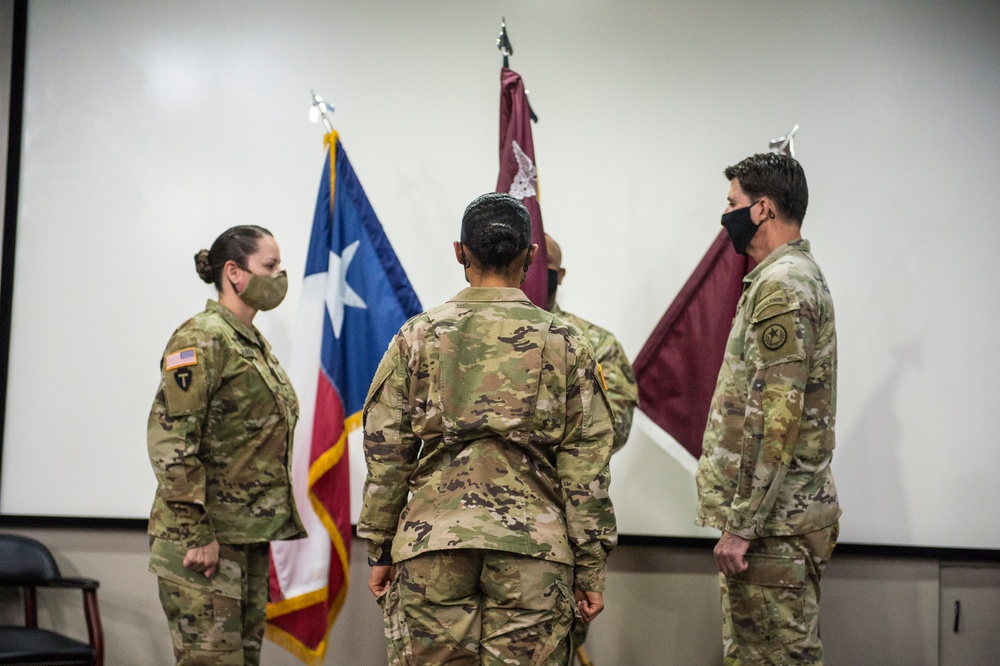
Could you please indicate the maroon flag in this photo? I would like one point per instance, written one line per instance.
(678, 366)
(518, 176)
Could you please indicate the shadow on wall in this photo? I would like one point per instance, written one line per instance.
(877, 435)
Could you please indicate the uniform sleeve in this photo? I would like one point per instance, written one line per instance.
(623, 391)
(582, 461)
(391, 451)
(777, 350)
(189, 372)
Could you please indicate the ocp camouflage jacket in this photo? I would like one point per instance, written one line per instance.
(491, 412)
(765, 463)
(220, 436)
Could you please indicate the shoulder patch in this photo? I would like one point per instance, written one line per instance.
(185, 390)
(774, 336)
(772, 304)
(183, 378)
(775, 298)
(185, 387)
(778, 339)
(180, 359)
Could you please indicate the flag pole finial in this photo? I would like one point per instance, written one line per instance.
(319, 110)
(783, 144)
(503, 42)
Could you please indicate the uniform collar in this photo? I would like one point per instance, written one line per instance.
(249, 332)
(490, 294)
(800, 245)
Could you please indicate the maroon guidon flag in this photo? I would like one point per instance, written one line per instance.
(678, 366)
(518, 176)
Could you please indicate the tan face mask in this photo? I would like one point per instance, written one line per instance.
(265, 292)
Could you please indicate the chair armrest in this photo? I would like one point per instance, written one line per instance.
(95, 630)
(76, 583)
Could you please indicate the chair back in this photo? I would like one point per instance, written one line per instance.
(24, 561)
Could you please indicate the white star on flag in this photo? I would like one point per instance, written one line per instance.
(338, 292)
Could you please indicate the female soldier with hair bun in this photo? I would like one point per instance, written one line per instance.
(487, 438)
(220, 443)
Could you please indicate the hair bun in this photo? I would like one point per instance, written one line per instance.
(203, 266)
(496, 227)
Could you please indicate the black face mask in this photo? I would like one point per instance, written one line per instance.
(740, 227)
(553, 281)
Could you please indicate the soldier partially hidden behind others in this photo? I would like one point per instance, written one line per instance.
(492, 413)
(764, 476)
(623, 391)
(220, 442)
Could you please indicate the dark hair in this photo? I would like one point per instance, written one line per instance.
(496, 227)
(236, 244)
(777, 176)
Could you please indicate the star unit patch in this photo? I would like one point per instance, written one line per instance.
(774, 337)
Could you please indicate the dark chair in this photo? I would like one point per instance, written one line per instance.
(27, 564)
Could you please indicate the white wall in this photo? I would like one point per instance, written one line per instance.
(150, 127)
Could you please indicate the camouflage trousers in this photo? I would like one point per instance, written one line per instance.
(217, 621)
(468, 607)
(771, 610)
(578, 635)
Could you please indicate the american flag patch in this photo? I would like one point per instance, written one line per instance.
(181, 358)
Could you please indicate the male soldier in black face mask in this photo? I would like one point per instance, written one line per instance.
(764, 477)
(622, 389)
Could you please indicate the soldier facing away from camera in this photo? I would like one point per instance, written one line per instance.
(487, 438)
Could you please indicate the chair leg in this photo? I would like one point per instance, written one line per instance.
(94, 629)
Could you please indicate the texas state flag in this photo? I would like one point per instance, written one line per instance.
(355, 296)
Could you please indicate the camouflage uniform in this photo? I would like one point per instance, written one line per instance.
(623, 392)
(491, 412)
(219, 439)
(764, 472)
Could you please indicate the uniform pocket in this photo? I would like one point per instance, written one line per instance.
(201, 619)
(397, 634)
(204, 613)
(767, 600)
(556, 647)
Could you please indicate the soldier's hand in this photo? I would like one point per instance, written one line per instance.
(379, 579)
(203, 559)
(589, 604)
(730, 552)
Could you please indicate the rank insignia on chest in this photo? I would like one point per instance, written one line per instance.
(183, 378)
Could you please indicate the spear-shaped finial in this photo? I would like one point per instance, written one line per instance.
(783, 144)
(319, 110)
(503, 42)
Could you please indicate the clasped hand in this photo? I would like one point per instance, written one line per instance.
(203, 559)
